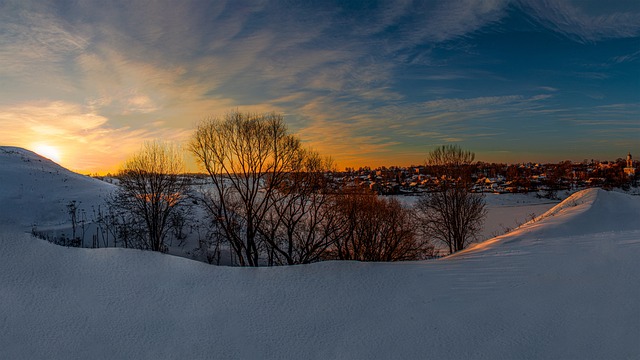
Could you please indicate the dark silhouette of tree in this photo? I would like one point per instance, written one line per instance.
(247, 157)
(452, 213)
(302, 224)
(151, 190)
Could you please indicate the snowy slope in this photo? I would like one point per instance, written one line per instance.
(504, 211)
(590, 211)
(563, 287)
(35, 190)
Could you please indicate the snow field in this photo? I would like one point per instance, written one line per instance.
(548, 290)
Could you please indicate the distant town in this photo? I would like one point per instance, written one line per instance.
(501, 178)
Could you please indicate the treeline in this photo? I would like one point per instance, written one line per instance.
(268, 200)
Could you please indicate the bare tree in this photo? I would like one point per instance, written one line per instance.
(452, 213)
(452, 162)
(377, 229)
(247, 157)
(151, 190)
(302, 225)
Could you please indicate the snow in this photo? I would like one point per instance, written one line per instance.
(35, 190)
(551, 289)
(505, 212)
(564, 285)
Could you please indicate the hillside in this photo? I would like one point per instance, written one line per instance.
(35, 190)
(565, 286)
(590, 211)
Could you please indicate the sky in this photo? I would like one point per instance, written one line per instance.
(369, 83)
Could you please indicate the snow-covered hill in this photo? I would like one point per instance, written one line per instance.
(590, 211)
(36, 191)
(563, 287)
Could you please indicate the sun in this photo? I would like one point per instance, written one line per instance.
(48, 151)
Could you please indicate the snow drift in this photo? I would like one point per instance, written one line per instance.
(564, 286)
(35, 190)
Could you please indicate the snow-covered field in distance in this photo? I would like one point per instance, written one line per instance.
(564, 286)
(505, 212)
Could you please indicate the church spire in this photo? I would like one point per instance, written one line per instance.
(630, 170)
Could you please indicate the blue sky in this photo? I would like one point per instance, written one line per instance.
(366, 82)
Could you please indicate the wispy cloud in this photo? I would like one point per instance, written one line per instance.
(626, 58)
(548, 88)
(379, 135)
(568, 18)
(592, 75)
(464, 104)
(35, 38)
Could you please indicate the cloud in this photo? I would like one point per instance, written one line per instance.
(86, 139)
(351, 131)
(570, 19)
(35, 38)
(613, 116)
(460, 17)
(451, 76)
(249, 51)
(592, 75)
(626, 58)
(141, 104)
(464, 104)
(347, 85)
(548, 88)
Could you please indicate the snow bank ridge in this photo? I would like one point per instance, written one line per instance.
(593, 211)
(589, 211)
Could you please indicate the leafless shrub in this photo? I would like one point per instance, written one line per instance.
(377, 229)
